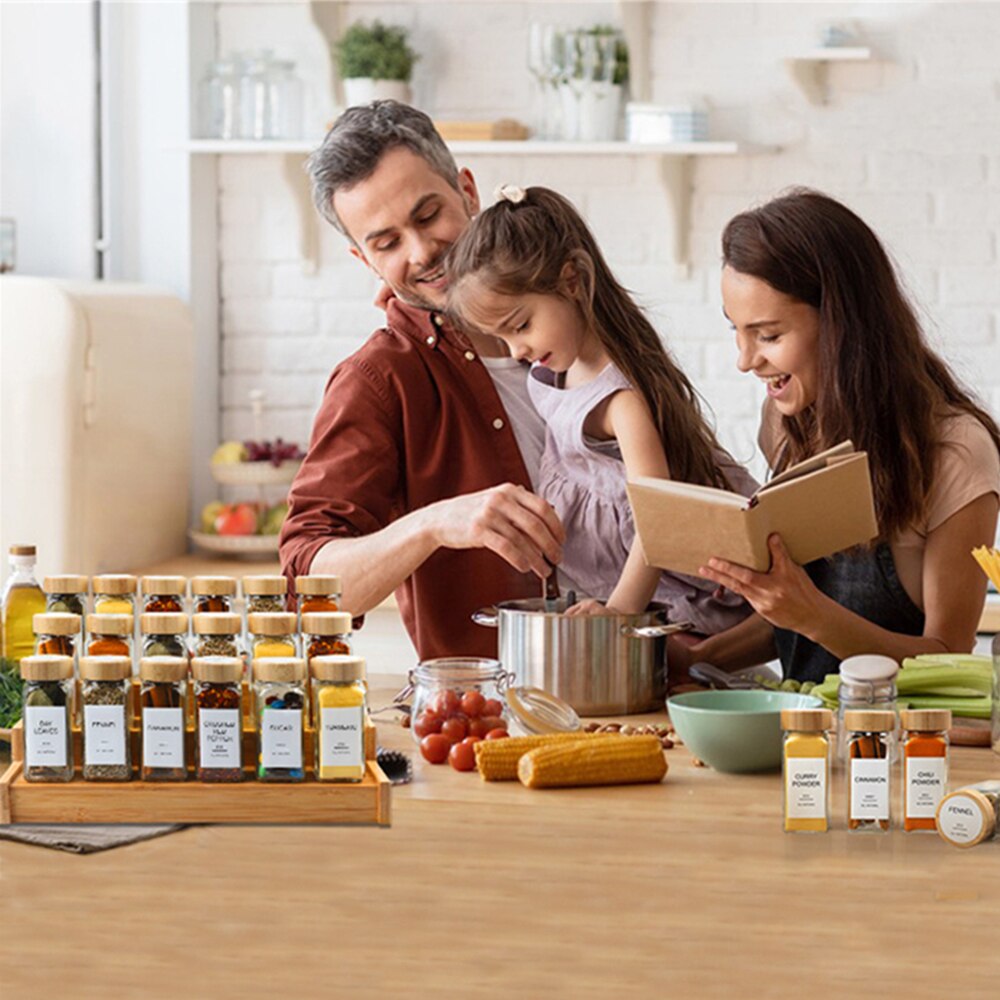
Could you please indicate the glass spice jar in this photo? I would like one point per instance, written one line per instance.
(340, 697)
(924, 762)
(164, 633)
(272, 634)
(66, 594)
(218, 717)
(104, 696)
(162, 697)
(265, 594)
(970, 815)
(114, 594)
(867, 681)
(317, 593)
(216, 634)
(326, 633)
(212, 594)
(164, 594)
(109, 635)
(280, 699)
(47, 697)
(56, 634)
(806, 766)
(869, 736)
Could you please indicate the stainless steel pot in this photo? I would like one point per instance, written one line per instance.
(605, 664)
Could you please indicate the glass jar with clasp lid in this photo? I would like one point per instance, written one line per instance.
(867, 683)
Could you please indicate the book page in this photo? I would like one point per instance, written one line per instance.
(708, 494)
(838, 453)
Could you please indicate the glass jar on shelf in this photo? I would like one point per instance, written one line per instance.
(255, 104)
(164, 634)
(164, 594)
(109, 635)
(217, 634)
(265, 594)
(272, 634)
(163, 717)
(459, 696)
(105, 683)
(218, 717)
(66, 594)
(280, 701)
(219, 100)
(212, 594)
(340, 706)
(47, 698)
(114, 594)
(326, 633)
(56, 634)
(317, 593)
(284, 105)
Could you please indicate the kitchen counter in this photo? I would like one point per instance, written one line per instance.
(688, 889)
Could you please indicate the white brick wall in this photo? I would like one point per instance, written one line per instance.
(910, 141)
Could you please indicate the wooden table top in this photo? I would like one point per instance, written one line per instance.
(685, 889)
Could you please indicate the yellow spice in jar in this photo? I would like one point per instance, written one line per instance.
(340, 711)
(113, 606)
(273, 647)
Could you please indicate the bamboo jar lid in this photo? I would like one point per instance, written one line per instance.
(213, 586)
(22, 550)
(965, 818)
(46, 668)
(807, 720)
(870, 721)
(105, 668)
(217, 669)
(326, 623)
(68, 583)
(338, 667)
(56, 623)
(281, 669)
(926, 720)
(271, 623)
(265, 585)
(110, 624)
(163, 622)
(320, 585)
(168, 585)
(217, 623)
(163, 669)
(114, 583)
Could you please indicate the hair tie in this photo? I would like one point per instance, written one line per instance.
(510, 192)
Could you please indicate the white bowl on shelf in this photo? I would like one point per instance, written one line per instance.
(236, 545)
(255, 473)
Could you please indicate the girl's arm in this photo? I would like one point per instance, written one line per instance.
(954, 591)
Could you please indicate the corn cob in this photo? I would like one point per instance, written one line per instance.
(615, 760)
(497, 759)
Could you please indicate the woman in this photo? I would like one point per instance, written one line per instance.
(820, 317)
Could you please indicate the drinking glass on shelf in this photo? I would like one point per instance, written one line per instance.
(590, 96)
(547, 64)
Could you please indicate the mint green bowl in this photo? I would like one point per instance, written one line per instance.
(735, 731)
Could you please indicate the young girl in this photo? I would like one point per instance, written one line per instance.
(528, 271)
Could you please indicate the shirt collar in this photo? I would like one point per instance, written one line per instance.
(422, 325)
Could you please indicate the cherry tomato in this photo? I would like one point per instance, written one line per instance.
(445, 703)
(492, 707)
(427, 723)
(454, 729)
(478, 727)
(435, 748)
(497, 734)
(494, 722)
(462, 756)
(472, 703)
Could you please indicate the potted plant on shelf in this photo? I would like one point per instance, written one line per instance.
(375, 62)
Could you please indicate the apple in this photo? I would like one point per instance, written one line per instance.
(236, 519)
(208, 515)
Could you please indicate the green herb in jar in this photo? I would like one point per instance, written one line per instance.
(104, 697)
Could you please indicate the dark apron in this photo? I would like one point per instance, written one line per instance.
(864, 582)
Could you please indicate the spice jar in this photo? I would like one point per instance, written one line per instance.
(272, 634)
(866, 682)
(163, 634)
(47, 696)
(970, 815)
(56, 634)
(326, 633)
(924, 755)
(164, 594)
(212, 594)
(104, 695)
(339, 708)
(466, 693)
(317, 593)
(265, 594)
(109, 635)
(114, 594)
(162, 697)
(216, 634)
(806, 769)
(66, 594)
(218, 717)
(280, 699)
(869, 736)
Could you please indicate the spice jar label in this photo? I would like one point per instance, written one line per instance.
(806, 792)
(219, 737)
(340, 739)
(163, 737)
(45, 737)
(961, 820)
(104, 734)
(870, 789)
(925, 779)
(281, 737)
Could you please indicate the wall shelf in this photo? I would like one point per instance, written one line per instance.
(810, 69)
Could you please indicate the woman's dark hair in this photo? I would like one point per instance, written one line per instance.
(881, 384)
(522, 247)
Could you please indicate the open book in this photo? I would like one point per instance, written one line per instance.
(820, 506)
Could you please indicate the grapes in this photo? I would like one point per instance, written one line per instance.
(275, 452)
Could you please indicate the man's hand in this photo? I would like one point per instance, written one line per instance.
(509, 520)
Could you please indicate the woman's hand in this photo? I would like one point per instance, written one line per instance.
(586, 607)
(784, 596)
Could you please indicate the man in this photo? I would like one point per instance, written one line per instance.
(415, 479)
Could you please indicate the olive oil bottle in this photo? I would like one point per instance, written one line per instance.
(22, 599)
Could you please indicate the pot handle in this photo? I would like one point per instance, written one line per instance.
(654, 631)
(486, 617)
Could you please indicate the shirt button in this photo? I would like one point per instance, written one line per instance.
(430, 341)
(470, 355)
(437, 320)
(498, 423)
